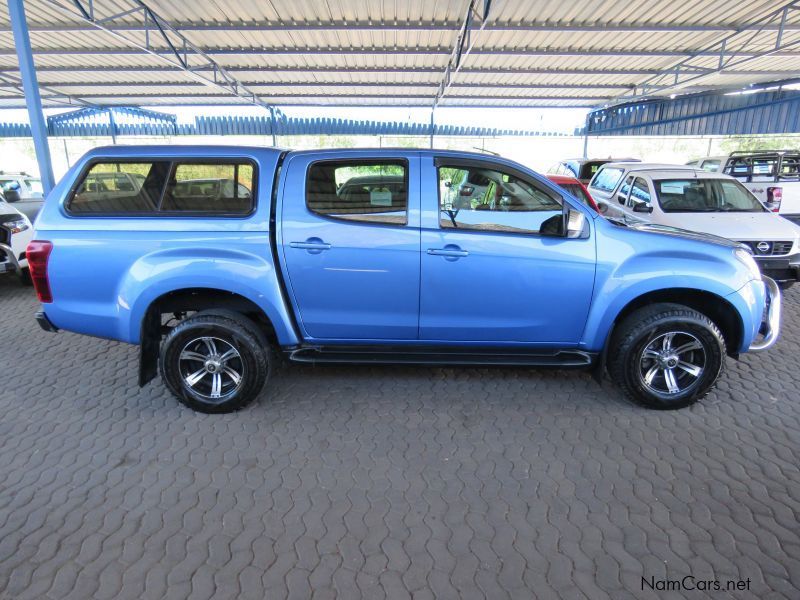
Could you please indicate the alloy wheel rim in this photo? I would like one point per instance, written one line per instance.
(211, 367)
(672, 363)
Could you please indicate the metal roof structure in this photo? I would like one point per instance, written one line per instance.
(580, 53)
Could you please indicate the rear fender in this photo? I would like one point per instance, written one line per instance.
(160, 273)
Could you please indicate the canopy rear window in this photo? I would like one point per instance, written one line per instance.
(164, 187)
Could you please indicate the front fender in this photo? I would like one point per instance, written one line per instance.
(234, 271)
(619, 284)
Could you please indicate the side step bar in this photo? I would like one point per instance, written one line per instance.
(440, 356)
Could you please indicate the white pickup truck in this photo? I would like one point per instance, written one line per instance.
(772, 175)
(15, 233)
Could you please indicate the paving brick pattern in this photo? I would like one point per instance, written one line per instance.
(376, 483)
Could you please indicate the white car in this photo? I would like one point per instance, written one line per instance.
(22, 186)
(15, 233)
(772, 175)
(703, 201)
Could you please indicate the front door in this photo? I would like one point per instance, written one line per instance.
(494, 269)
(350, 241)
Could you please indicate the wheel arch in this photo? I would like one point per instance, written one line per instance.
(193, 300)
(715, 307)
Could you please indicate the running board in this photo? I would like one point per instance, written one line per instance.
(441, 356)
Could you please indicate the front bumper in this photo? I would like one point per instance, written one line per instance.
(8, 262)
(771, 322)
(783, 269)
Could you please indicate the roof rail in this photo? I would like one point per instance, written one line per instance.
(762, 152)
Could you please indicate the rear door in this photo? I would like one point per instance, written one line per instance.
(618, 201)
(490, 273)
(350, 241)
(638, 193)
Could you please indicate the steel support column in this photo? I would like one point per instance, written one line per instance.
(586, 135)
(22, 41)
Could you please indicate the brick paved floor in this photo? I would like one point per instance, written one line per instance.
(387, 482)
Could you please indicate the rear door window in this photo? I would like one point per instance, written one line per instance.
(625, 190)
(369, 192)
(640, 193)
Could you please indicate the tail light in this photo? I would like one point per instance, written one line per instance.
(38, 254)
(466, 190)
(774, 197)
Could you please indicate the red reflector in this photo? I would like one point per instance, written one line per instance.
(774, 197)
(38, 254)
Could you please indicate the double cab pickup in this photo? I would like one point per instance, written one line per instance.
(219, 260)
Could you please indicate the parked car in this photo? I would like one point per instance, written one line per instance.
(707, 202)
(772, 175)
(15, 234)
(714, 164)
(576, 188)
(583, 169)
(26, 187)
(526, 276)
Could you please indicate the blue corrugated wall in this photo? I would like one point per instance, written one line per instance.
(764, 112)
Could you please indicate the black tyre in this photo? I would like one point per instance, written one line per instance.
(215, 362)
(666, 356)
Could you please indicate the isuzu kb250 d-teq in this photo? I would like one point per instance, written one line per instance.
(217, 261)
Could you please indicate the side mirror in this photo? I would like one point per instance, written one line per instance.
(576, 222)
(602, 207)
(448, 184)
(642, 207)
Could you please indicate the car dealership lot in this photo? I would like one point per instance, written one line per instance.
(383, 482)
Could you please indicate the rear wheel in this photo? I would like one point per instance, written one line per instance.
(666, 356)
(215, 363)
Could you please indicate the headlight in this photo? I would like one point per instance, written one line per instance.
(18, 225)
(747, 260)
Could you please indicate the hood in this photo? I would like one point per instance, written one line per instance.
(737, 226)
(684, 233)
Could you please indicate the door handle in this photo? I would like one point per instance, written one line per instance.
(313, 245)
(448, 251)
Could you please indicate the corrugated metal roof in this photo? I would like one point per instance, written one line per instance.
(395, 52)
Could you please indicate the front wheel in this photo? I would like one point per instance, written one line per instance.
(666, 356)
(215, 363)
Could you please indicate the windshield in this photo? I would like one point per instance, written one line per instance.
(705, 195)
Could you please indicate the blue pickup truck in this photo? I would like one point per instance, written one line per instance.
(219, 261)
